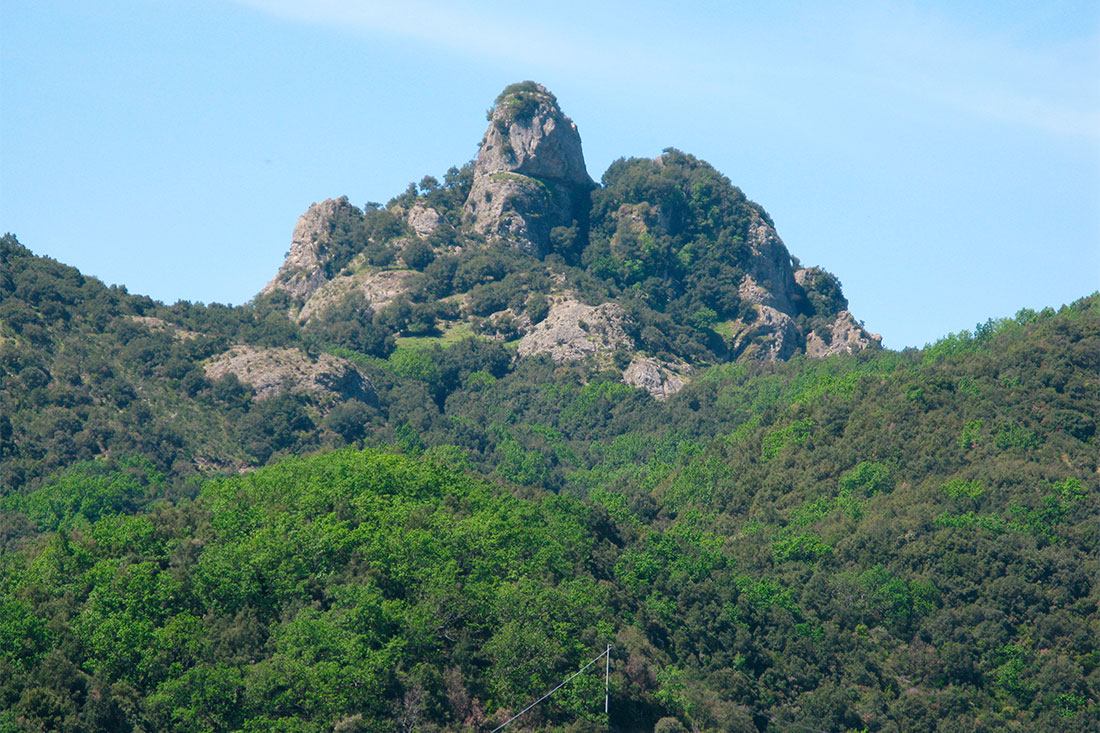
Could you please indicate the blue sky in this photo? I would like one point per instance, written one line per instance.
(942, 159)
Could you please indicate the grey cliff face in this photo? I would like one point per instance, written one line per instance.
(844, 336)
(770, 280)
(528, 134)
(573, 330)
(529, 176)
(303, 273)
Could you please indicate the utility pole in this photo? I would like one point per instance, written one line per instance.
(606, 654)
(606, 678)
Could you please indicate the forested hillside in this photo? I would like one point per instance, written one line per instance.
(879, 541)
(464, 441)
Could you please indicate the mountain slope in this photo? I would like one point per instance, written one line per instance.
(876, 541)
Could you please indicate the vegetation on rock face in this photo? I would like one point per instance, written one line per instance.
(671, 234)
(519, 101)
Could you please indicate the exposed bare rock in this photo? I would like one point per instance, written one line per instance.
(660, 379)
(529, 176)
(514, 208)
(844, 336)
(573, 331)
(274, 371)
(770, 280)
(378, 288)
(807, 276)
(529, 134)
(303, 272)
(424, 220)
(773, 336)
(159, 324)
(753, 292)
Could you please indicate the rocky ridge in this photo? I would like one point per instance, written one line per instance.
(303, 270)
(530, 191)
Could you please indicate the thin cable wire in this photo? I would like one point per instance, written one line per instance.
(607, 653)
(561, 685)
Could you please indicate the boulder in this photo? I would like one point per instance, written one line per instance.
(660, 379)
(424, 220)
(273, 371)
(572, 331)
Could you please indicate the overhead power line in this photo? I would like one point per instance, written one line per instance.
(606, 653)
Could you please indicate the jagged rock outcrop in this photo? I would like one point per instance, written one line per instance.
(770, 279)
(660, 379)
(529, 176)
(379, 289)
(424, 220)
(844, 336)
(303, 270)
(572, 331)
(272, 371)
(780, 294)
(772, 336)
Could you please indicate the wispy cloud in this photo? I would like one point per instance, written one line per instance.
(999, 75)
(920, 57)
(508, 34)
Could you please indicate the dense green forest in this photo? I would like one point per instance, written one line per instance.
(880, 541)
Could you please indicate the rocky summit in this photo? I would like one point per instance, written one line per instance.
(662, 268)
(529, 176)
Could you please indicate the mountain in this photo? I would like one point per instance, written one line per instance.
(464, 441)
(662, 270)
(665, 267)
